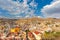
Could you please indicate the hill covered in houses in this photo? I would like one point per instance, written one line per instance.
(48, 27)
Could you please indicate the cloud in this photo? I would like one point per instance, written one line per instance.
(52, 10)
(55, 0)
(16, 7)
(33, 4)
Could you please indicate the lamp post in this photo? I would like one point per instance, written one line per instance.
(27, 34)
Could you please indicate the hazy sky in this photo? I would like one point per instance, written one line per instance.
(29, 8)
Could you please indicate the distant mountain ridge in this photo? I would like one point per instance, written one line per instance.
(29, 19)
